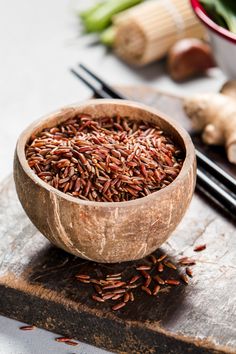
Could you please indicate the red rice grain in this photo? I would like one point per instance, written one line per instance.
(106, 159)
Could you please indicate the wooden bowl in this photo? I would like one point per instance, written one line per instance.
(102, 231)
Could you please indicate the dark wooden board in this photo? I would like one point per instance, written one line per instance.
(37, 283)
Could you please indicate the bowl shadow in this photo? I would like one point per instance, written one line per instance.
(54, 269)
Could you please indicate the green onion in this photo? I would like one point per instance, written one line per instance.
(100, 18)
(84, 14)
(107, 37)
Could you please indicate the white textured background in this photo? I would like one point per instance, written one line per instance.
(39, 41)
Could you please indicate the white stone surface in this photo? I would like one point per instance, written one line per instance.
(39, 41)
(38, 341)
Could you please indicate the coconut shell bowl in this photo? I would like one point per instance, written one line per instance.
(106, 232)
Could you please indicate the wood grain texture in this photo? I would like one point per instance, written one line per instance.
(37, 283)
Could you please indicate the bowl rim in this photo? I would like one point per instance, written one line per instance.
(202, 15)
(189, 160)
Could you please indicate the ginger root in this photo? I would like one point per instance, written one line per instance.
(215, 115)
(229, 88)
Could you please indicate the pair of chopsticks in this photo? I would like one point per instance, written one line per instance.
(214, 182)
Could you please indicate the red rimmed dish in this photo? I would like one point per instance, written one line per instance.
(223, 41)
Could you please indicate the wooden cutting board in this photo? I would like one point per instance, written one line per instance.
(37, 283)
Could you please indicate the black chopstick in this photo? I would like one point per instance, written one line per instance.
(214, 191)
(209, 169)
(107, 88)
(218, 172)
(98, 93)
